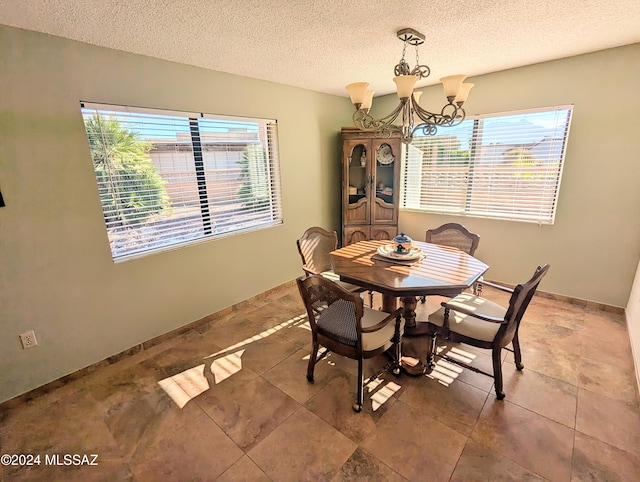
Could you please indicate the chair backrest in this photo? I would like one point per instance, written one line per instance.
(454, 235)
(314, 247)
(334, 314)
(518, 304)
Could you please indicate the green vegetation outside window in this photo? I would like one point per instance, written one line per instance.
(168, 179)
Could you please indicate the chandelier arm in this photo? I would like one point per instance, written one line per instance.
(457, 114)
(441, 119)
(364, 121)
(425, 129)
(460, 116)
(432, 120)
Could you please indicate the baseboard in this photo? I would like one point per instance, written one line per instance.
(592, 305)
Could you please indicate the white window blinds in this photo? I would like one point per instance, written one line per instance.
(167, 179)
(505, 166)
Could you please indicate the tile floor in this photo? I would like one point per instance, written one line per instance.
(230, 401)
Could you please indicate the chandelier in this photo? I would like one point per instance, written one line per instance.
(415, 119)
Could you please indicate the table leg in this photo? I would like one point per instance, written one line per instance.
(412, 366)
(409, 303)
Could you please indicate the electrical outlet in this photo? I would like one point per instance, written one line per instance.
(28, 339)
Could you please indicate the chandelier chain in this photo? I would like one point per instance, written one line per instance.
(402, 68)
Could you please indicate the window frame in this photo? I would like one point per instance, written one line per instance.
(415, 173)
(254, 213)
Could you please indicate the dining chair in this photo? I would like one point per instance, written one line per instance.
(314, 247)
(476, 321)
(342, 324)
(455, 235)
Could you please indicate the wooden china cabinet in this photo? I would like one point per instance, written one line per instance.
(370, 185)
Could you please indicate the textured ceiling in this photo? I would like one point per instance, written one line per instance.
(322, 45)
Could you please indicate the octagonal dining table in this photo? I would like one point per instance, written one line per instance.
(440, 270)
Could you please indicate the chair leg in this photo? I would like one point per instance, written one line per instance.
(497, 372)
(371, 300)
(397, 344)
(357, 407)
(516, 352)
(312, 360)
(431, 350)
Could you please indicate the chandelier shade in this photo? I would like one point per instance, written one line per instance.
(405, 84)
(413, 118)
(357, 92)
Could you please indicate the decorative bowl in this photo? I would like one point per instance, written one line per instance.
(402, 242)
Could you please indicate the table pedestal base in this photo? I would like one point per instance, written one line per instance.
(411, 366)
(409, 303)
(389, 303)
(418, 329)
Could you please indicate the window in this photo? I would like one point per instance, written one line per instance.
(503, 166)
(168, 179)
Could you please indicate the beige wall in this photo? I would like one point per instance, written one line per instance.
(594, 245)
(56, 274)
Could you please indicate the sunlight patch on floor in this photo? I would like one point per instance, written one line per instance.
(185, 385)
(461, 355)
(446, 372)
(383, 394)
(228, 365)
(260, 336)
(373, 384)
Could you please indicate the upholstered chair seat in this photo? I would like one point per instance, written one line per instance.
(467, 325)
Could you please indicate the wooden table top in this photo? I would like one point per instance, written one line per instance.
(443, 271)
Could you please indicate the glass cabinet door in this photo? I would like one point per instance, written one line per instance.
(360, 179)
(358, 174)
(385, 162)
